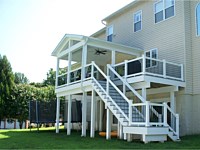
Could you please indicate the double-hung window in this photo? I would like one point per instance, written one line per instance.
(151, 55)
(110, 33)
(198, 19)
(137, 21)
(164, 9)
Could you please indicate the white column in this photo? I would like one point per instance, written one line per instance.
(172, 101)
(144, 93)
(69, 114)
(120, 131)
(93, 102)
(84, 61)
(108, 124)
(57, 71)
(113, 57)
(69, 67)
(100, 115)
(173, 107)
(84, 113)
(57, 114)
(96, 115)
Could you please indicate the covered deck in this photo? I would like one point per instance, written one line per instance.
(76, 52)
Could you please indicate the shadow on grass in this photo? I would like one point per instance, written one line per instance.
(48, 139)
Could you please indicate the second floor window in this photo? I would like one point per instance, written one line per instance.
(138, 21)
(110, 33)
(164, 9)
(198, 19)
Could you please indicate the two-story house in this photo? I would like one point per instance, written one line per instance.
(142, 68)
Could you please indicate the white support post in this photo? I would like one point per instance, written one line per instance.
(120, 131)
(165, 113)
(177, 125)
(57, 114)
(57, 72)
(173, 107)
(107, 86)
(113, 58)
(143, 64)
(125, 68)
(69, 67)
(84, 61)
(108, 124)
(92, 70)
(172, 101)
(84, 113)
(124, 89)
(96, 115)
(130, 112)
(93, 102)
(147, 114)
(100, 115)
(164, 68)
(69, 115)
(144, 93)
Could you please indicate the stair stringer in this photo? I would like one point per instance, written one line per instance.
(111, 106)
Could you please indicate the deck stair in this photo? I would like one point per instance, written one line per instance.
(135, 118)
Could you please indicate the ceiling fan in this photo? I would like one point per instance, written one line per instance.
(99, 52)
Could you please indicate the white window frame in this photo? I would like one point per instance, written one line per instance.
(151, 61)
(107, 32)
(163, 9)
(138, 12)
(197, 25)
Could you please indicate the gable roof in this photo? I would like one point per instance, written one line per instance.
(95, 42)
(121, 10)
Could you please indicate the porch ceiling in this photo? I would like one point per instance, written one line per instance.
(60, 51)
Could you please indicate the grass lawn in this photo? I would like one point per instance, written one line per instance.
(48, 139)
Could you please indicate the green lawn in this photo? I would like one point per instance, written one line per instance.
(48, 139)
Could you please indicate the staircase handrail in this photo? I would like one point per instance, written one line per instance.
(110, 98)
(128, 85)
(114, 87)
(177, 122)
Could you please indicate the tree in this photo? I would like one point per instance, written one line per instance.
(51, 78)
(20, 78)
(6, 85)
(22, 94)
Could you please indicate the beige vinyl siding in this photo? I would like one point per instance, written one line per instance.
(188, 48)
(195, 48)
(101, 36)
(168, 35)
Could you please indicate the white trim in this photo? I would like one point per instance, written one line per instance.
(137, 12)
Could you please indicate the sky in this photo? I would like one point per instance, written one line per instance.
(31, 29)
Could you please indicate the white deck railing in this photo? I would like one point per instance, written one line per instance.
(149, 66)
(153, 114)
